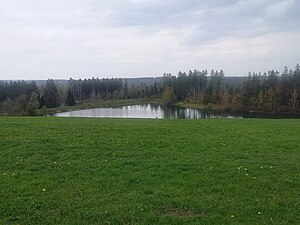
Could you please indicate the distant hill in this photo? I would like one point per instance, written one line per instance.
(57, 82)
(233, 82)
(143, 80)
(42, 82)
(134, 81)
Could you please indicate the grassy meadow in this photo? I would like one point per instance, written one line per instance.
(135, 171)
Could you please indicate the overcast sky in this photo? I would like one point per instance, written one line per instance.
(42, 39)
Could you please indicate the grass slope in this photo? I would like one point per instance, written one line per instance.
(132, 171)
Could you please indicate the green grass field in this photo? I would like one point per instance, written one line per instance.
(133, 171)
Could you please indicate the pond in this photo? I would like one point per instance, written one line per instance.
(147, 111)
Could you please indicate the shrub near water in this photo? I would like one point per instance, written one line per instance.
(111, 171)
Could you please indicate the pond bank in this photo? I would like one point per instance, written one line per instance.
(92, 105)
(147, 111)
(212, 109)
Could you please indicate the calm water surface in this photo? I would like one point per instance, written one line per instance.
(146, 111)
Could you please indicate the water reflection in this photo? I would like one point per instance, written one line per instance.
(145, 111)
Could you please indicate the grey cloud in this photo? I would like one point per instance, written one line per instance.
(211, 19)
(215, 18)
(134, 35)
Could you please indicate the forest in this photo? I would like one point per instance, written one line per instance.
(271, 92)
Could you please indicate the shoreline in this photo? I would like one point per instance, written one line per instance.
(124, 102)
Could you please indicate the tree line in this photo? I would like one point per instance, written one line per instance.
(107, 89)
(269, 92)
